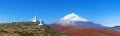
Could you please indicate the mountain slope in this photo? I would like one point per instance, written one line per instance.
(75, 20)
(117, 27)
(27, 29)
(85, 31)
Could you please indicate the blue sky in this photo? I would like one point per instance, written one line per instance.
(104, 12)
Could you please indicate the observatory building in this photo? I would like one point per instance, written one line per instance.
(41, 22)
(34, 19)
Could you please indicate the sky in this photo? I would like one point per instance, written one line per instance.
(104, 12)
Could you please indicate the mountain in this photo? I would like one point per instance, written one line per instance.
(27, 29)
(75, 20)
(73, 17)
(74, 25)
(117, 27)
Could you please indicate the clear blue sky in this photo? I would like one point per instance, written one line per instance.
(104, 12)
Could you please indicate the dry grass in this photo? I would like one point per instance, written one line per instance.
(27, 29)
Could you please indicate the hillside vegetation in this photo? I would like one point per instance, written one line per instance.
(27, 29)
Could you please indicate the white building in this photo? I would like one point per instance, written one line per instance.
(41, 22)
(34, 19)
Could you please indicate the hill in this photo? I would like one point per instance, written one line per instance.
(27, 29)
(85, 31)
(117, 27)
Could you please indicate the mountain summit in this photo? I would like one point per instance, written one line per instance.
(75, 20)
(73, 17)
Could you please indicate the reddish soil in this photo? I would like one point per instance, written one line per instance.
(81, 31)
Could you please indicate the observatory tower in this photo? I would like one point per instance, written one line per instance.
(41, 22)
(34, 19)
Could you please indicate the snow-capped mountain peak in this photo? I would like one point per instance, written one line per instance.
(73, 17)
(75, 20)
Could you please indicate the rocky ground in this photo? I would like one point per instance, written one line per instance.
(27, 29)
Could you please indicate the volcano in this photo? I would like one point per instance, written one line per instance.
(74, 20)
